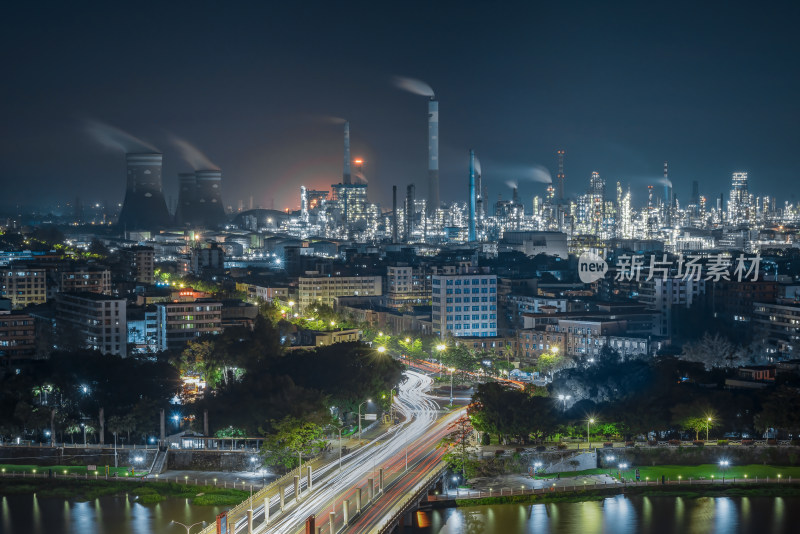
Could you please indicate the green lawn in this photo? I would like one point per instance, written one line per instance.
(69, 470)
(705, 471)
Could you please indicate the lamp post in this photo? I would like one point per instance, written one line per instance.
(451, 369)
(340, 448)
(564, 399)
(83, 426)
(187, 527)
(708, 420)
(589, 422)
(441, 347)
(359, 416)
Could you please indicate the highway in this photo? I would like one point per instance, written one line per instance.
(416, 439)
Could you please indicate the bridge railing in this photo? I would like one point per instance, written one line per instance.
(594, 485)
(402, 506)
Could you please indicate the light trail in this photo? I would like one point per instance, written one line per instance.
(417, 437)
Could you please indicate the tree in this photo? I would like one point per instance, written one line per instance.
(457, 441)
(714, 351)
(550, 362)
(291, 438)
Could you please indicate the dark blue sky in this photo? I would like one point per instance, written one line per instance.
(711, 88)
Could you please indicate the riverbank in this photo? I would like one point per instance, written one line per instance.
(597, 494)
(143, 492)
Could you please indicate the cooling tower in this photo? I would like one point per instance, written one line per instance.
(187, 185)
(208, 192)
(144, 207)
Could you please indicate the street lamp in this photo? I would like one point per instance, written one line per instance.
(177, 419)
(359, 416)
(381, 349)
(83, 426)
(723, 464)
(536, 466)
(187, 527)
(708, 420)
(564, 399)
(451, 369)
(589, 422)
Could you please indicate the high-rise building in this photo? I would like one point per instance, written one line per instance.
(739, 211)
(464, 304)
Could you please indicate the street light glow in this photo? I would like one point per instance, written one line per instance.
(381, 349)
(441, 347)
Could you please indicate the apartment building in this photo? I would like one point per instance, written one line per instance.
(23, 285)
(326, 289)
(99, 320)
(662, 295)
(179, 322)
(407, 285)
(778, 324)
(464, 304)
(17, 337)
(90, 278)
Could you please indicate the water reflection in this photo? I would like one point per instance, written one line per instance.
(31, 514)
(620, 514)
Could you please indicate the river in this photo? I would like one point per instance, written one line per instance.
(28, 514)
(624, 515)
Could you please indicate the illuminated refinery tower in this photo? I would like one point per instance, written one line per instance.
(433, 155)
(739, 203)
(561, 176)
(144, 207)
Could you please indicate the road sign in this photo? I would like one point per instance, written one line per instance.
(370, 417)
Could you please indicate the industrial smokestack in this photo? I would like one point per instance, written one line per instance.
(472, 196)
(346, 176)
(409, 211)
(433, 155)
(144, 207)
(561, 176)
(667, 197)
(394, 214)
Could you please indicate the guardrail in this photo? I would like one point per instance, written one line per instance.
(240, 510)
(403, 506)
(47, 473)
(507, 491)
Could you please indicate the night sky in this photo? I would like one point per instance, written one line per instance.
(621, 87)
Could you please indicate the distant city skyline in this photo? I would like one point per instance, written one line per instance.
(620, 88)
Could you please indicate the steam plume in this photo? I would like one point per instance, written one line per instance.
(116, 139)
(193, 155)
(541, 174)
(478, 166)
(418, 87)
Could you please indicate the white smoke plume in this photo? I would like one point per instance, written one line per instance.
(116, 139)
(478, 167)
(418, 87)
(513, 184)
(664, 181)
(541, 175)
(193, 155)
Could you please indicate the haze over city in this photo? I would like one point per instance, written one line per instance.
(621, 87)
